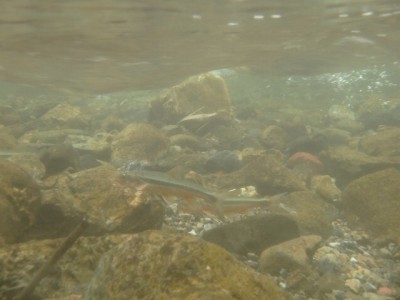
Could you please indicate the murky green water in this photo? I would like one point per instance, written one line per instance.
(336, 50)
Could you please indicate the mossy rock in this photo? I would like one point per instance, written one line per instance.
(375, 199)
(139, 142)
(160, 265)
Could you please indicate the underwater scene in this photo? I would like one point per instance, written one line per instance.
(202, 150)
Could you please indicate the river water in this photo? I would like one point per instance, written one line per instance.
(99, 47)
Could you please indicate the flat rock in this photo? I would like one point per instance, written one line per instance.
(159, 265)
(253, 234)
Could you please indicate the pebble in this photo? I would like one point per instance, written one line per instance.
(369, 270)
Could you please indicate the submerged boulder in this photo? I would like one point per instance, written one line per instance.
(253, 234)
(375, 199)
(68, 277)
(19, 201)
(205, 93)
(157, 265)
(101, 196)
(139, 142)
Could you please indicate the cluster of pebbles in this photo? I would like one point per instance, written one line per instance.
(350, 264)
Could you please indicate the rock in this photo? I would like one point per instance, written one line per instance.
(187, 141)
(266, 172)
(379, 111)
(31, 164)
(325, 186)
(305, 165)
(330, 260)
(139, 142)
(353, 284)
(385, 142)
(253, 234)
(312, 214)
(275, 137)
(205, 93)
(65, 115)
(101, 196)
(19, 201)
(71, 274)
(361, 198)
(7, 141)
(59, 157)
(225, 161)
(46, 137)
(98, 146)
(8, 115)
(112, 122)
(290, 255)
(346, 164)
(157, 265)
(200, 124)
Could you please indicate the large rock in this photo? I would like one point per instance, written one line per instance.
(205, 93)
(290, 255)
(157, 265)
(65, 115)
(253, 234)
(139, 142)
(375, 199)
(266, 172)
(68, 277)
(101, 196)
(386, 142)
(312, 214)
(346, 164)
(19, 201)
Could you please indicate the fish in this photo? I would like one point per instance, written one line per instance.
(217, 203)
(164, 184)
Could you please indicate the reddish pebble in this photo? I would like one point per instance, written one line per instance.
(301, 157)
(385, 291)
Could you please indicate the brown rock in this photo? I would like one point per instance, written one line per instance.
(386, 142)
(267, 173)
(157, 265)
(66, 115)
(19, 262)
(290, 255)
(139, 142)
(312, 214)
(346, 164)
(275, 137)
(374, 198)
(19, 202)
(101, 196)
(205, 93)
(253, 234)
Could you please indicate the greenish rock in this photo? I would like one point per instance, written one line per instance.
(69, 276)
(313, 214)
(253, 234)
(139, 142)
(386, 142)
(160, 265)
(20, 199)
(374, 198)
